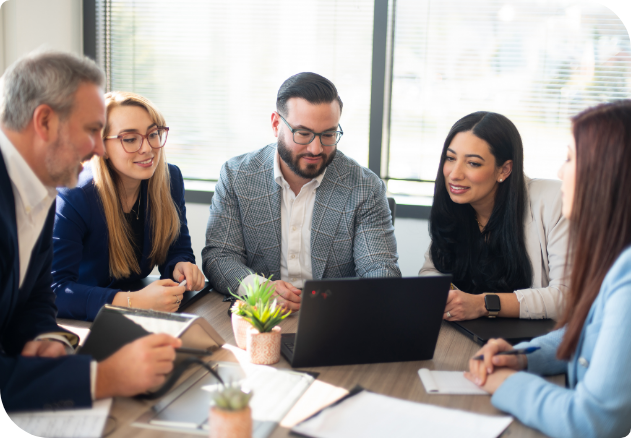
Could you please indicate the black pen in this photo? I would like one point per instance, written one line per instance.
(194, 351)
(511, 352)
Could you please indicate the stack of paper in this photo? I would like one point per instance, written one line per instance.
(186, 408)
(448, 382)
(372, 415)
(75, 423)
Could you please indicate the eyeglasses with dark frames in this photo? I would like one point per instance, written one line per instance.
(132, 141)
(303, 136)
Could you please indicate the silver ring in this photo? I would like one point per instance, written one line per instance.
(178, 301)
(448, 314)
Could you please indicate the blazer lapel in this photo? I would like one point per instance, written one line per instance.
(262, 217)
(331, 199)
(8, 296)
(147, 245)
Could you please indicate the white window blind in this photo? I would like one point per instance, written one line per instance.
(536, 62)
(214, 67)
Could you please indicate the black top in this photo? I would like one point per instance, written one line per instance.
(136, 220)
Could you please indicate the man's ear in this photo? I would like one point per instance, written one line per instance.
(506, 170)
(275, 123)
(46, 123)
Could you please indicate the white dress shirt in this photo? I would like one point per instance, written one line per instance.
(32, 203)
(296, 215)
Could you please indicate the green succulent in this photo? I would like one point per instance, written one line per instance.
(231, 397)
(265, 316)
(253, 294)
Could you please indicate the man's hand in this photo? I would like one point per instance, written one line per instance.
(463, 306)
(44, 348)
(287, 295)
(136, 367)
(194, 278)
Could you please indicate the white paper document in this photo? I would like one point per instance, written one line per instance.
(185, 409)
(448, 382)
(73, 423)
(370, 415)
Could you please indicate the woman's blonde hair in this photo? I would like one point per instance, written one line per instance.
(165, 220)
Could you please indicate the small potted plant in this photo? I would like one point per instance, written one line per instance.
(263, 340)
(230, 413)
(253, 294)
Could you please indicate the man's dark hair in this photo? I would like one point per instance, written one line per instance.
(312, 87)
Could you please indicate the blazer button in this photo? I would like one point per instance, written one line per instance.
(583, 362)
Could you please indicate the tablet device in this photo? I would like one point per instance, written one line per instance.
(116, 326)
(514, 330)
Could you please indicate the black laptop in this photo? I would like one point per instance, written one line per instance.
(514, 330)
(355, 321)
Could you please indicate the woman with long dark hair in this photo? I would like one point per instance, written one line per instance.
(593, 346)
(501, 235)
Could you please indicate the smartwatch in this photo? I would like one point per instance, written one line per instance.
(492, 304)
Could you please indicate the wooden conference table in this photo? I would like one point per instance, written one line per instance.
(400, 380)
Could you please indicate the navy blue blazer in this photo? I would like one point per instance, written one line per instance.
(32, 383)
(81, 273)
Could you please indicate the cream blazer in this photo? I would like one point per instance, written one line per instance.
(546, 233)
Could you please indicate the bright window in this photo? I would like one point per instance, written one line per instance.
(214, 68)
(536, 62)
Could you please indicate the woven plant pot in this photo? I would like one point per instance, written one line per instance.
(240, 328)
(230, 424)
(264, 348)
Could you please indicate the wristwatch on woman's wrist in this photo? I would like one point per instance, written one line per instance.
(492, 304)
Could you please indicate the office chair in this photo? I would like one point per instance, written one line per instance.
(393, 208)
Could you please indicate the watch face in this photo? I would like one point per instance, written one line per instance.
(492, 303)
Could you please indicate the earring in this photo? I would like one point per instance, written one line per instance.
(501, 180)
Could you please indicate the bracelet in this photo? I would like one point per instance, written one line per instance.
(128, 299)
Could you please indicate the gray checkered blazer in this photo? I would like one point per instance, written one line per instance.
(351, 232)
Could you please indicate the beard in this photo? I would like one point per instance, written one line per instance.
(63, 162)
(292, 161)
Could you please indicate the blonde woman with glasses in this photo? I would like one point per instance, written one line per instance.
(125, 216)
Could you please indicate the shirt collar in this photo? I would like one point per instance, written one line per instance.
(280, 179)
(30, 189)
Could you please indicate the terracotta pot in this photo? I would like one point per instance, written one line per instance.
(240, 328)
(230, 424)
(264, 348)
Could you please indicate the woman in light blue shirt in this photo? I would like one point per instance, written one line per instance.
(594, 345)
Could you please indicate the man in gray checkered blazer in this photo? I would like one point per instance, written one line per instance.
(299, 209)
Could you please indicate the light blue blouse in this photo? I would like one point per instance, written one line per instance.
(598, 400)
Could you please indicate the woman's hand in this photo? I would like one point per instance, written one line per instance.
(463, 306)
(194, 278)
(482, 370)
(162, 295)
(493, 381)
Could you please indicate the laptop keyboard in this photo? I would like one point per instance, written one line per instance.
(289, 345)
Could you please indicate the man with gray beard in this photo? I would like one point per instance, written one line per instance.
(52, 114)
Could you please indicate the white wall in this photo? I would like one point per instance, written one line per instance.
(2, 8)
(412, 238)
(26, 25)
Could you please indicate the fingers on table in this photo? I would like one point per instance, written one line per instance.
(291, 305)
